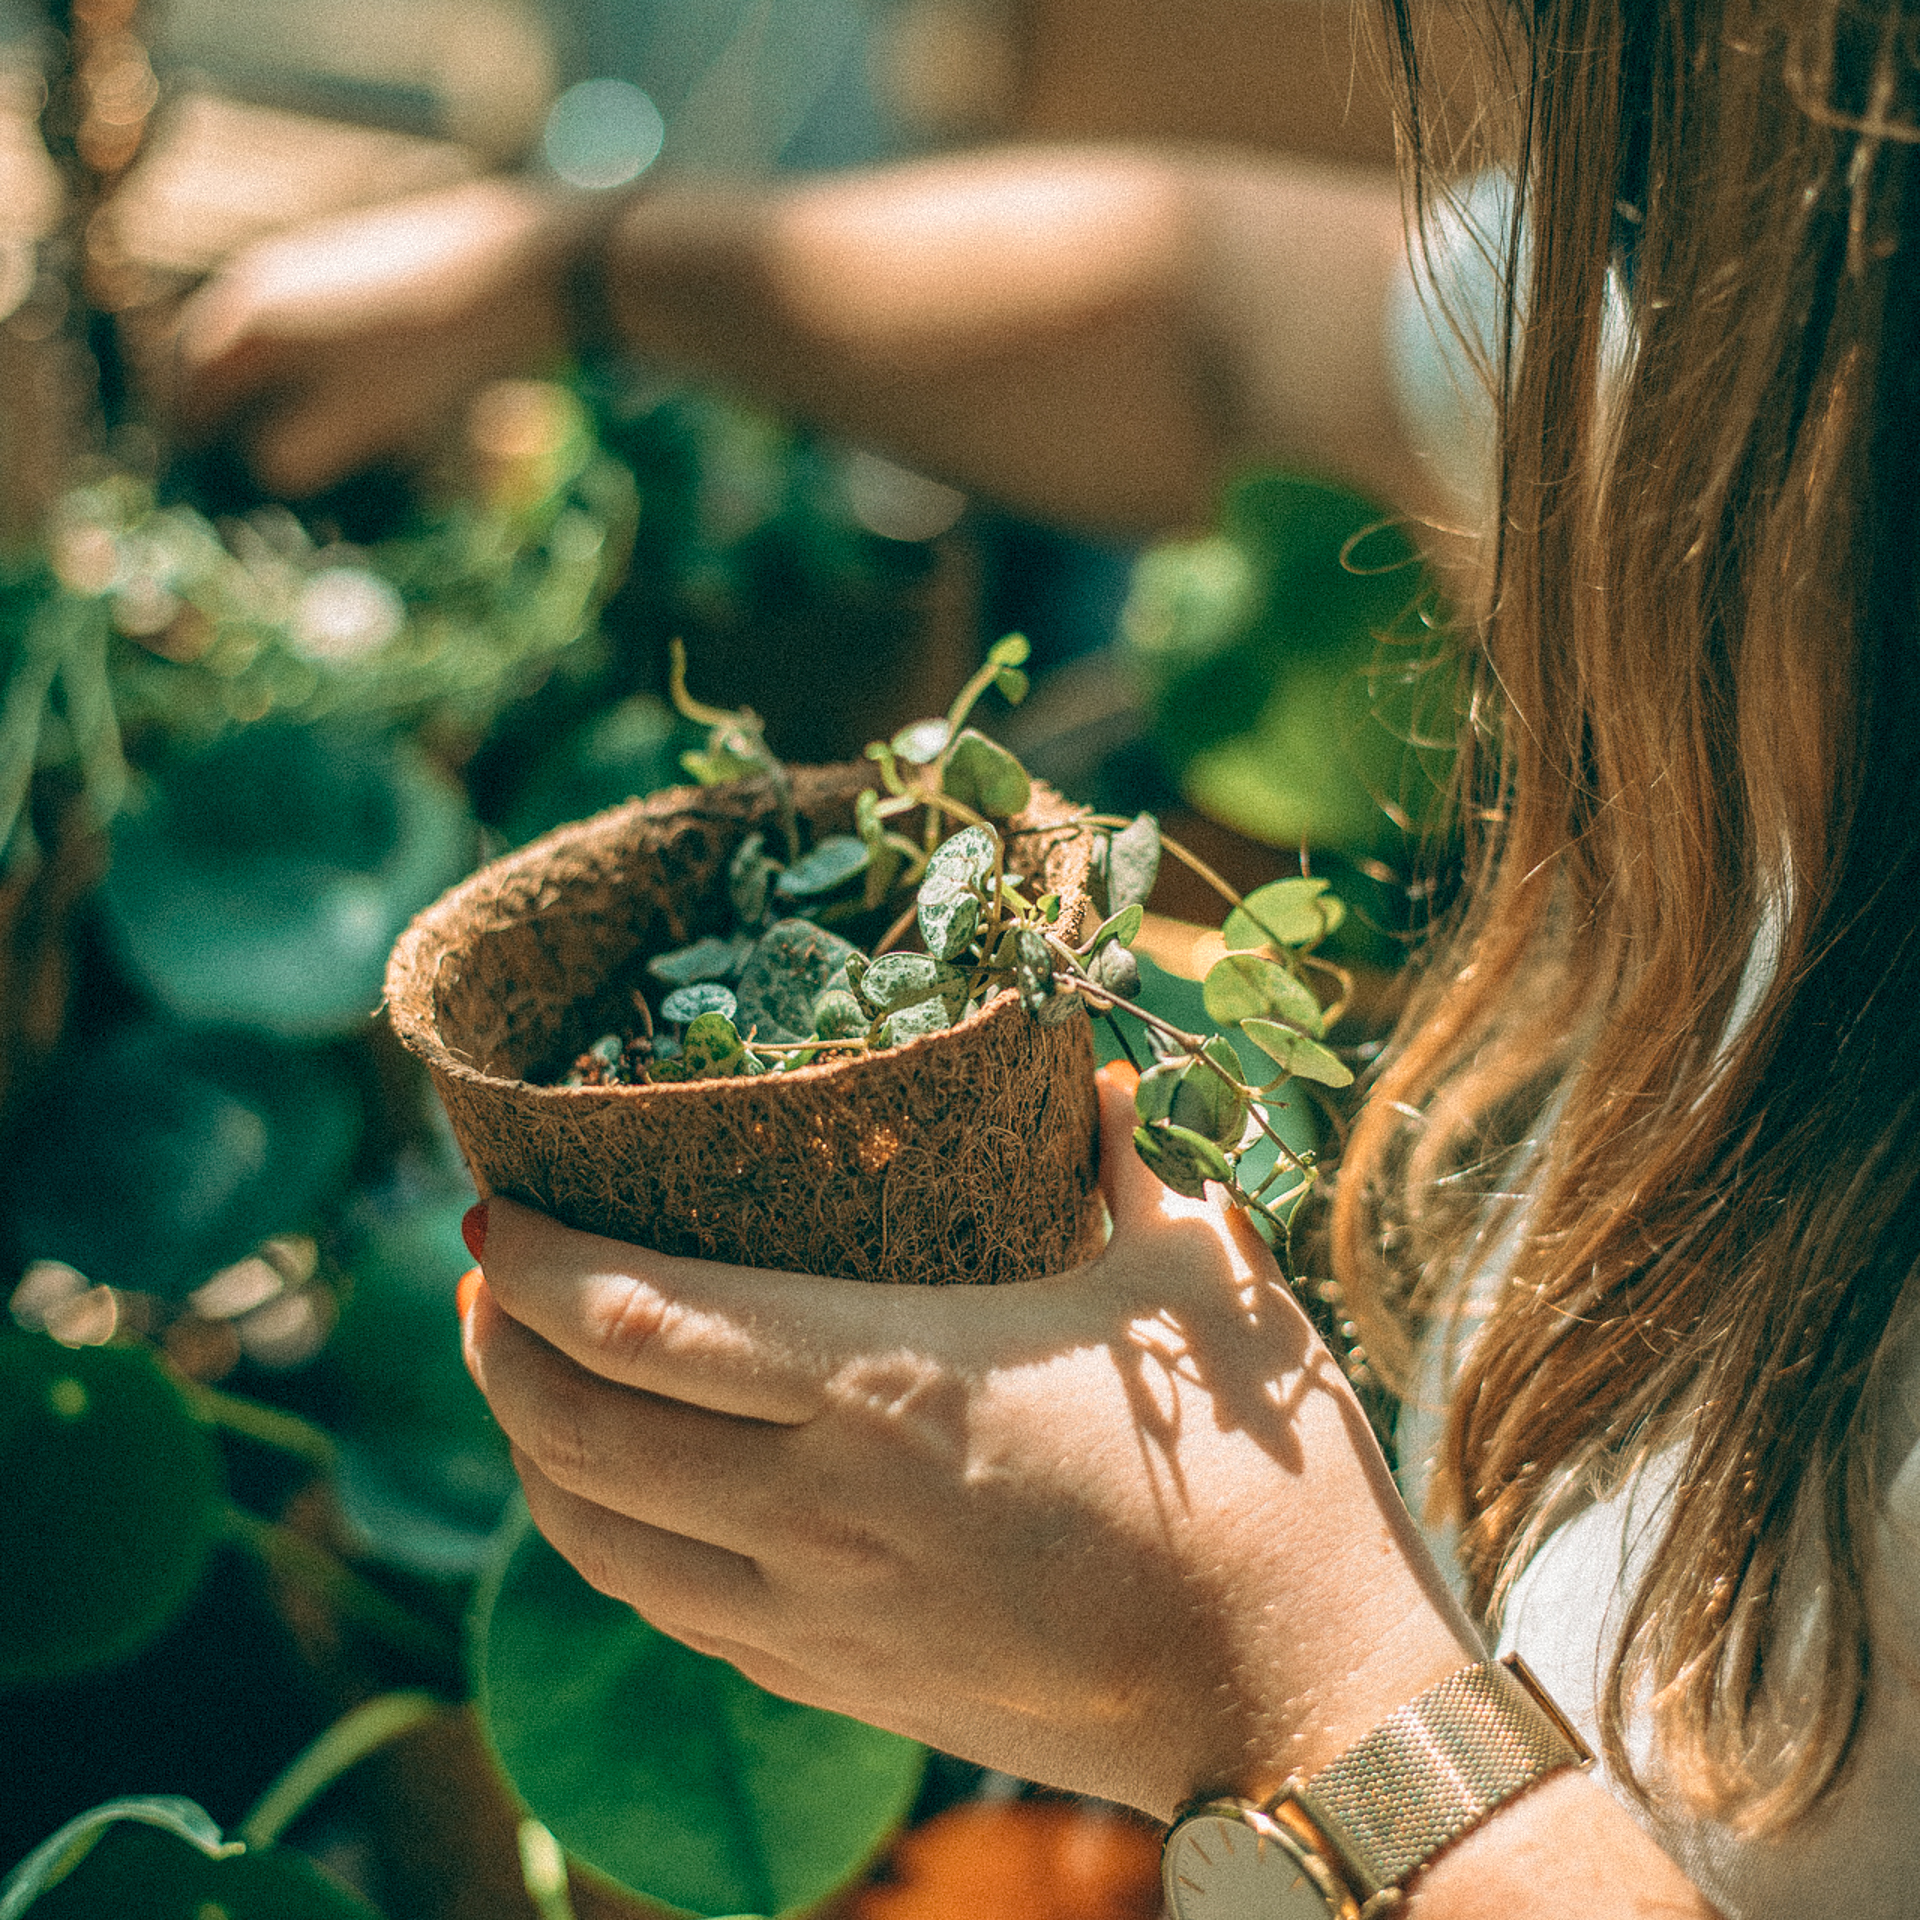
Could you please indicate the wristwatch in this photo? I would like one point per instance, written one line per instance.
(1342, 1844)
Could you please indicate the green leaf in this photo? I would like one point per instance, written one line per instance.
(983, 775)
(965, 858)
(154, 1155)
(1026, 955)
(1123, 927)
(1153, 1097)
(1013, 684)
(949, 916)
(712, 1049)
(915, 1022)
(114, 1498)
(667, 1770)
(1133, 864)
(1304, 1058)
(1205, 1103)
(162, 1858)
(1182, 1003)
(837, 1015)
(787, 972)
(268, 877)
(749, 876)
(1288, 913)
(1249, 986)
(1181, 1160)
(1010, 650)
(1115, 968)
(922, 743)
(706, 959)
(899, 980)
(685, 1004)
(831, 864)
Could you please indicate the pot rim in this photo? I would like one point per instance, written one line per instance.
(410, 1000)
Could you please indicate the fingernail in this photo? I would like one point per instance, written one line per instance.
(468, 1290)
(473, 1228)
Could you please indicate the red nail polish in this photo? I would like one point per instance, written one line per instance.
(470, 1284)
(473, 1228)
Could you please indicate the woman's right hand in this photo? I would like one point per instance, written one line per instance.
(329, 349)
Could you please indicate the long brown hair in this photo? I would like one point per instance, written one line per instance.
(1691, 756)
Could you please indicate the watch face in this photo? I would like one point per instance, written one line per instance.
(1232, 1864)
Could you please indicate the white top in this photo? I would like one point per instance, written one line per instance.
(1858, 1855)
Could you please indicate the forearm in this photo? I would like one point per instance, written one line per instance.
(1096, 337)
(1566, 1847)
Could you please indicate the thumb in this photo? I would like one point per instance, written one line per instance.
(1134, 1194)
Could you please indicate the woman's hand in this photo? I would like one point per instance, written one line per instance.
(1124, 1531)
(355, 340)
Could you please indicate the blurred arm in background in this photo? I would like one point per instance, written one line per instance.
(1094, 336)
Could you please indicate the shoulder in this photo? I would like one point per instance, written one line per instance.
(1859, 1851)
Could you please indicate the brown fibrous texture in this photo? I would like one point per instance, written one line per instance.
(965, 1156)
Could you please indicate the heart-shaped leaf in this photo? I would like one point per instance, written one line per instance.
(915, 1022)
(831, 864)
(1133, 864)
(1209, 1102)
(1304, 1058)
(1249, 986)
(786, 973)
(922, 743)
(983, 775)
(712, 1049)
(668, 1770)
(965, 859)
(685, 1004)
(949, 917)
(1180, 1159)
(1288, 913)
(707, 959)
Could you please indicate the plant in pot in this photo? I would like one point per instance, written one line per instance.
(695, 1022)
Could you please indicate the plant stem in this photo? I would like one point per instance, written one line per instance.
(341, 1747)
(356, 1600)
(1191, 1043)
(1184, 855)
(269, 1426)
(1120, 1034)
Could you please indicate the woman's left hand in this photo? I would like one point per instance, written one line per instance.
(1124, 1531)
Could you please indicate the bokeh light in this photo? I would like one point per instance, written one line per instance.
(603, 133)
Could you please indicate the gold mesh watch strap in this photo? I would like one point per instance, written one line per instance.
(1433, 1770)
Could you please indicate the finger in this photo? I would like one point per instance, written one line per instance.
(707, 1476)
(738, 1340)
(1135, 1196)
(677, 1584)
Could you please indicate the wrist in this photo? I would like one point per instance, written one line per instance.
(1347, 1841)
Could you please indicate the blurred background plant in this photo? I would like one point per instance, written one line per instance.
(264, 1580)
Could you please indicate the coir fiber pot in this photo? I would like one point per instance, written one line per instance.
(963, 1156)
